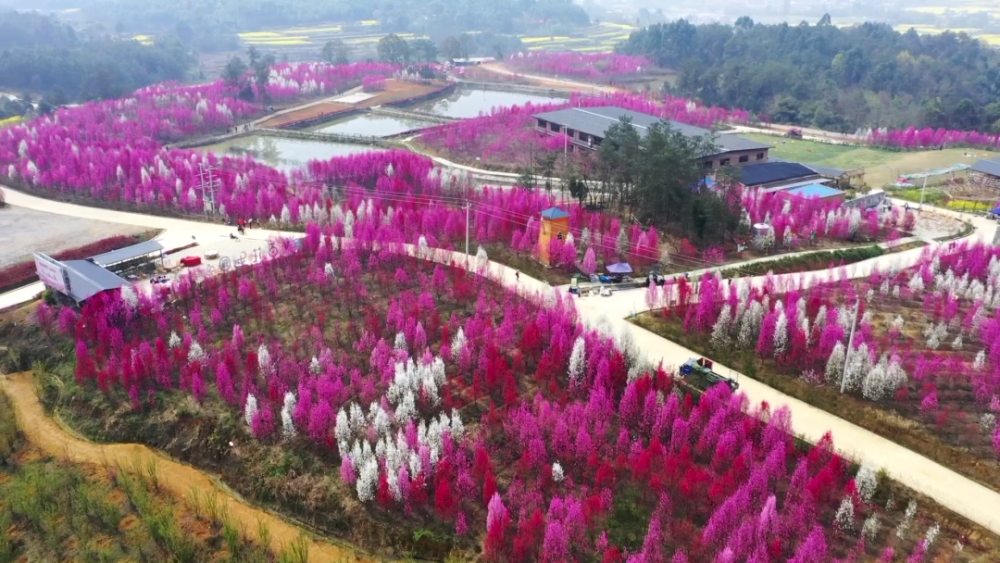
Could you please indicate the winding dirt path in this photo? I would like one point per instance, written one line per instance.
(180, 480)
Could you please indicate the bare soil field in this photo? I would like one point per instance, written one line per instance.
(306, 113)
(395, 90)
(23, 231)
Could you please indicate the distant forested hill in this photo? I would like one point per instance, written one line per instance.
(439, 17)
(830, 77)
(40, 55)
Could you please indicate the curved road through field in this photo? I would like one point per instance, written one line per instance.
(182, 481)
(956, 492)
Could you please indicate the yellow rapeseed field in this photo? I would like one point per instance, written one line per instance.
(259, 34)
(280, 41)
(10, 121)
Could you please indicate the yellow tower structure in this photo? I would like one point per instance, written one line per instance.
(555, 224)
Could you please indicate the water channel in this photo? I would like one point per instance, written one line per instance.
(283, 154)
(370, 125)
(464, 103)
(290, 154)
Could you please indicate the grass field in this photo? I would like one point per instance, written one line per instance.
(881, 166)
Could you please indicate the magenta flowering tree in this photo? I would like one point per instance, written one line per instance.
(595, 67)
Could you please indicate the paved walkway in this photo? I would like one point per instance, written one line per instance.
(960, 494)
(573, 85)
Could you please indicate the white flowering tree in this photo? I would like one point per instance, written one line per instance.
(195, 352)
(457, 342)
(781, 334)
(835, 364)
(844, 520)
(859, 363)
(750, 325)
(250, 409)
(287, 408)
(577, 360)
(400, 342)
(866, 481)
(557, 472)
(720, 331)
(904, 525)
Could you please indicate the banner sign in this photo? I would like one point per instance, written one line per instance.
(51, 273)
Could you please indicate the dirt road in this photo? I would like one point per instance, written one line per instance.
(180, 480)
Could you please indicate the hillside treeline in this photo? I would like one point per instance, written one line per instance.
(834, 78)
(437, 18)
(49, 59)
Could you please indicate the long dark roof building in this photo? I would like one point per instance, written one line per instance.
(586, 128)
(991, 167)
(769, 173)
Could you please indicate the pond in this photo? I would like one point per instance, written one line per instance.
(283, 154)
(371, 125)
(465, 103)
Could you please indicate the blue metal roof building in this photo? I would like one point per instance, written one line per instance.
(815, 190)
(141, 250)
(554, 213)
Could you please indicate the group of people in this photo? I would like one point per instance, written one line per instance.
(239, 128)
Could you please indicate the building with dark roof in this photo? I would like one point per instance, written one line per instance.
(115, 259)
(824, 171)
(585, 128)
(773, 176)
(985, 173)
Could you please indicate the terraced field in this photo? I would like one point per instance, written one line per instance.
(987, 10)
(599, 38)
(305, 43)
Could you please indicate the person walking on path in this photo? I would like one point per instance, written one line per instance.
(517, 276)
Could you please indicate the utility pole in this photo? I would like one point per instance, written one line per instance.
(850, 344)
(562, 184)
(207, 185)
(468, 207)
(922, 190)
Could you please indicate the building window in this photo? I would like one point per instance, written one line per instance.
(555, 127)
(541, 123)
(570, 133)
(745, 158)
(760, 156)
(724, 162)
(707, 164)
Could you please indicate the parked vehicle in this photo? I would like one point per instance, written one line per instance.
(700, 374)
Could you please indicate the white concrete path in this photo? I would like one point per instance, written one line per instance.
(574, 85)
(953, 491)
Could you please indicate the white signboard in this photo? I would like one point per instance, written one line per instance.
(51, 273)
